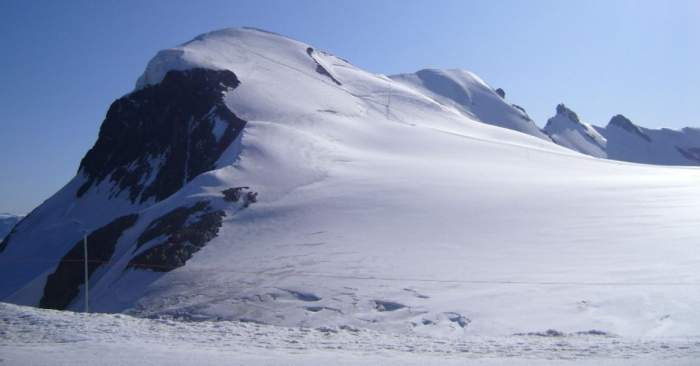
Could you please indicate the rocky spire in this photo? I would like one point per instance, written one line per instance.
(565, 111)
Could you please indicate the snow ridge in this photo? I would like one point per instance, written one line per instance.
(622, 140)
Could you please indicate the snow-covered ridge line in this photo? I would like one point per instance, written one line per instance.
(621, 139)
(458, 90)
(469, 94)
(229, 49)
(188, 56)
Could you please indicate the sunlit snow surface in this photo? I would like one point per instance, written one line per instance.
(31, 336)
(418, 206)
(382, 208)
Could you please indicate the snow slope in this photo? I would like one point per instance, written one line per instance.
(467, 93)
(7, 222)
(380, 206)
(31, 336)
(621, 139)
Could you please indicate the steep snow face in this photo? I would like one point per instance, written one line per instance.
(379, 206)
(567, 130)
(469, 94)
(7, 222)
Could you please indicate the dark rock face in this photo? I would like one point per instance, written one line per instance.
(186, 231)
(501, 93)
(250, 198)
(320, 69)
(63, 284)
(236, 193)
(156, 139)
(233, 194)
(562, 109)
(627, 125)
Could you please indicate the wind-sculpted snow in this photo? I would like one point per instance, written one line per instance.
(383, 204)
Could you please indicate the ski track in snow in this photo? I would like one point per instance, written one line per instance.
(34, 336)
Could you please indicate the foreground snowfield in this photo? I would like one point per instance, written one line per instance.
(30, 336)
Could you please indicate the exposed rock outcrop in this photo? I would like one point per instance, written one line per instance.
(63, 285)
(158, 138)
(565, 111)
(185, 230)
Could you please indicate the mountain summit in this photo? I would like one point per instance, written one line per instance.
(253, 177)
(567, 130)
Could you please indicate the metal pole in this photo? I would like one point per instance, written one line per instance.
(85, 251)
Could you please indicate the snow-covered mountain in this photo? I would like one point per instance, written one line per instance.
(567, 130)
(7, 222)
(621, 139)
(250, 176)
(467, 93)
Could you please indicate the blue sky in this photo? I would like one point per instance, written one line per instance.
(64, 62)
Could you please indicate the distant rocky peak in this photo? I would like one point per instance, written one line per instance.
(568, 113)
(622, 121)
(627, 125)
